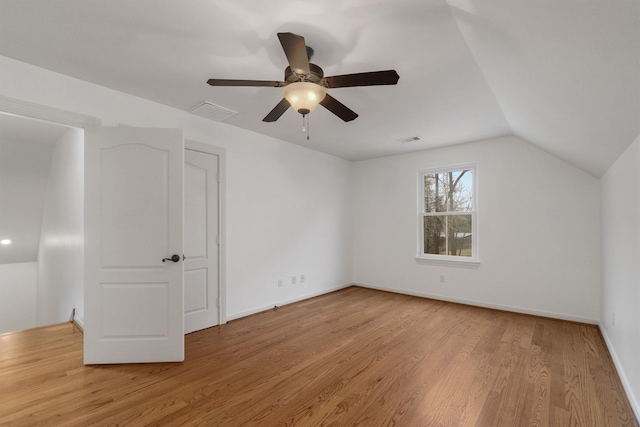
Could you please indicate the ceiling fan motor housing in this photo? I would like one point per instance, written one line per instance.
(316, 75)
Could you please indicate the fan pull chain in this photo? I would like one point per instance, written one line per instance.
(305, 125)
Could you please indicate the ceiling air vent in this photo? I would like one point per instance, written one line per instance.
(212, 111)
(410, 139)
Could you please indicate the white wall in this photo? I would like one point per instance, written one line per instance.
(61, 251)
(621, 267)
(288, 209)
(538, 230)
(17, 296)
(289, 213)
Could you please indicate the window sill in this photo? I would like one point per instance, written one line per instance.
(449, 262)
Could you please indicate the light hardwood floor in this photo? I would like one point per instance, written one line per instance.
(355, 357)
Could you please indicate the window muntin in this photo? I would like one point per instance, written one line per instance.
(447, 210)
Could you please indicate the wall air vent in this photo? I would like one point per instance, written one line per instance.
(409, 139)
(212, 111)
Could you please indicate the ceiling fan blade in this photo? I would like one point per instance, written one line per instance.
(277, 111)
(372, 78)
(338, 108)
(254, 83)
(296, 51)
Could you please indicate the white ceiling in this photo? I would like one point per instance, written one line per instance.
(562, 74)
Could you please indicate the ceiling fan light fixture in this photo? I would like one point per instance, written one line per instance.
(304, 97)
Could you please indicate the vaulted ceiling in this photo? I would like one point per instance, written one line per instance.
(562, 74)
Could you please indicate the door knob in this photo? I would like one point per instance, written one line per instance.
(174, 258)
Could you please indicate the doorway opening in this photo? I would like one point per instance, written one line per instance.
(76, 124)
(41, 220)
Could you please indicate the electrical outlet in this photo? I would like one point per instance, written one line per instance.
(302, 278)
(293, 280)
(443, 278)
(280, 282)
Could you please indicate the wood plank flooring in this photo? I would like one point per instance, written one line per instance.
(355, 357)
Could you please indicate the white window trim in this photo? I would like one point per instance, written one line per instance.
(421, 257)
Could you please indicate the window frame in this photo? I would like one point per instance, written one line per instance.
(421, 257)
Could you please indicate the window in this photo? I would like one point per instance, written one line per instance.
(447, 214)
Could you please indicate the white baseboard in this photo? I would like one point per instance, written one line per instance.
(285, 302)
(484, 304)
(79, 321)
(635, 405)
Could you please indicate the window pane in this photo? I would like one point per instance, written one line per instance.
(448, 191)
(460, 186)
(448, 235)
(459, 235)
(434, 241)
(432, 193)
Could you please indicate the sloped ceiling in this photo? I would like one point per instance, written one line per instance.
(562, 74)
(26, 148)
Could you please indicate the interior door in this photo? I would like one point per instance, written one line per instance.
(201, 289)
(133, 221)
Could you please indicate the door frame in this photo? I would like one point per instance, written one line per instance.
(22, 108)
(222, 283)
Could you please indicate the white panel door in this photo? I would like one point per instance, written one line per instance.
(133, 220)
(201, 290)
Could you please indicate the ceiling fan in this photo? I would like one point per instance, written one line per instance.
(305, 85)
